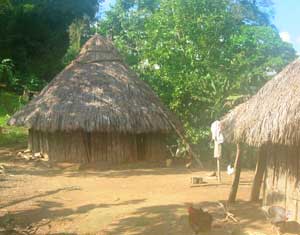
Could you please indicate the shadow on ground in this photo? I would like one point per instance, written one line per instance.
(151, 220)
(173, 219)
(47, 211)
(47, 193)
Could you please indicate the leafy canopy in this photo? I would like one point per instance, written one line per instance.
(199, 55)
(34, 34)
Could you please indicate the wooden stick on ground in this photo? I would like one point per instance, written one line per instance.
(228, 215)
(237, 173)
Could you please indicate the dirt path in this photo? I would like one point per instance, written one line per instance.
(150, 201)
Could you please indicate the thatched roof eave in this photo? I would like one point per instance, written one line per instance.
(270, 116)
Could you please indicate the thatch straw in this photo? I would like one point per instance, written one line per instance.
(270, 116)
(96, 92)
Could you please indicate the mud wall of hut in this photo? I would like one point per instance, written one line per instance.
(282, 178)
(91, 147)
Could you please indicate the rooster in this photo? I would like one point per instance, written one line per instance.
(199, 220)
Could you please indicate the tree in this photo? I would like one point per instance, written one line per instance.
(197, 54)
(78, 32)
(33, 33)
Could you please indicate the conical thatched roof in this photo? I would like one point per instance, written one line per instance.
(270, 116)
(96, 92)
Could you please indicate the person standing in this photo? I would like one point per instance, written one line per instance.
(218, 139)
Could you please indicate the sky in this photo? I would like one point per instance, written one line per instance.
(286, 19)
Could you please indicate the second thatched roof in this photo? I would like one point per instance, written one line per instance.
(96, 92)
(270, 116)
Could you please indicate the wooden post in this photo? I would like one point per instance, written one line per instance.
(258, 177)
(237, 173)
(218, 170)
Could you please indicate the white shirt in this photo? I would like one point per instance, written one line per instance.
(216, 132)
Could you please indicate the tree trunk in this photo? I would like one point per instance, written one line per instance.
(259, 174)
(237, 173)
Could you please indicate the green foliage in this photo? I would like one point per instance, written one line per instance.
(33, 34)
(32, 83)
(78, 33)
(7, 77)
(10, 136)
(10, 103)
(5, 5)
(13, 81)
(195, 54)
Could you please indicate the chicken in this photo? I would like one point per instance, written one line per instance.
(230, 170)
(199, 220)
(277, 215)
(188, 165)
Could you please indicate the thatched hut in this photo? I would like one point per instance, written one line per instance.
(96, 109)
(270, 120)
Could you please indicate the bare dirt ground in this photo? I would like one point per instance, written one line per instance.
(66, 199)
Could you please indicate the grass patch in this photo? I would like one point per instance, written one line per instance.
(11, 136)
